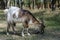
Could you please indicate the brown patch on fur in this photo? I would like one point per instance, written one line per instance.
(27, 17)
(25, 24)
(20, 14)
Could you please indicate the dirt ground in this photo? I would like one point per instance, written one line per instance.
(52, 29)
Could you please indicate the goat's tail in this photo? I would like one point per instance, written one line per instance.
(6, 11)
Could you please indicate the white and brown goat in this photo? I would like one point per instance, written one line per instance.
(25, 17)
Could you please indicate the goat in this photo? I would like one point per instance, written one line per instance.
(15, 15)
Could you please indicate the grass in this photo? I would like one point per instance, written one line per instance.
(51, 21)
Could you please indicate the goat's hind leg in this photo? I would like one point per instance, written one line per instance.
(23, 32)
(25, 24)
(13, 27)
(8, 27)
(28, 32)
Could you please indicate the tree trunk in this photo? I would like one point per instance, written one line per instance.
(33, 4)
(8, 3)
(58, 3)
(29, 4)
(2, 4)
(45, 4)
(53, 5)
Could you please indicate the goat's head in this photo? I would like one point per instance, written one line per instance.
(41, 27)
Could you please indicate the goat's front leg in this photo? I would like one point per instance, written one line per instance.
(28, 32)
(23, 32)
(25, 24)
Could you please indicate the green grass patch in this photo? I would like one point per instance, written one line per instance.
(1, 11)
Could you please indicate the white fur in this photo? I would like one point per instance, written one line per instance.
(6, 11)
(30, 22)
(12, 10)
(23, 33)
(28, 32)
(15, 10)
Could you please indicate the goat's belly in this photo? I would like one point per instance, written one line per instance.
(19, 20)
(30, 22)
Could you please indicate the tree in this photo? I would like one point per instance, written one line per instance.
(27, 3)
(37, 2)
(2, 4)
(33, 4)
(8, 3)
(53, 5)
(45, 4)
(58, 1)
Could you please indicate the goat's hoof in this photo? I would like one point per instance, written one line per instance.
(28, 34)
(23, 35)
(7, 33)
(14, 32)
(42, 32)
